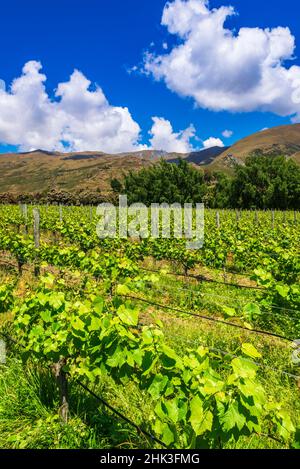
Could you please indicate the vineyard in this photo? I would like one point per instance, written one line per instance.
(141, 343)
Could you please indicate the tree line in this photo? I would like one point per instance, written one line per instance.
(262, 182)
(56, 196)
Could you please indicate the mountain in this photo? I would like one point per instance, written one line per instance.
(40, 170)
(200, 158)
(283, 140)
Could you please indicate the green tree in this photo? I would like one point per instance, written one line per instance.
(266, 182)
(165, 182)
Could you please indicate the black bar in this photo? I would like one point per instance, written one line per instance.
(134, 458)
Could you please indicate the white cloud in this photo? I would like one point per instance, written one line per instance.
(164, 138)
(212, 142)
(78, 116)
(165, 46)
(227, 133)
(222, 69)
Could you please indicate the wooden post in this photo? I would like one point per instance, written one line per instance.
(21, 212)
(36, 232)
(2, 352)
(62, 383)
(218, 220)
(25, 216)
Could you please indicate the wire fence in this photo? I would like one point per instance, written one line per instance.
(202, 278)
(208, 318)
(229, 353)
(99, 398)
(198, 293)
(204, 294)
(123, 417)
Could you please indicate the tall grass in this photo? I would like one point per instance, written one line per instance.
(29, 413)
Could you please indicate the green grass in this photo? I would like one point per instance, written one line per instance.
(29, 413)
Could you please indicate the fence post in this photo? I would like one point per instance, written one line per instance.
(218, 220)
(60, 213)
(36, 232)
(24, 212)
(62, 383)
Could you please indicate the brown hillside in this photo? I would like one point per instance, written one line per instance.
(40, 171)
(283, 140)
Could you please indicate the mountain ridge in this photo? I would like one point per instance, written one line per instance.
(283, 140)
(42, 170)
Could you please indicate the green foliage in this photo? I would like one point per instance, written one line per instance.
(266, 182)
(29, 419)
(165, 182)
(6, 297)
(199, 398)
(195, 405)
(116, 185)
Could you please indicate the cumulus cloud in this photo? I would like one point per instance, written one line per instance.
(224, 69)
(78, 118)
(227, 133)
(212, 142)
(164, 138)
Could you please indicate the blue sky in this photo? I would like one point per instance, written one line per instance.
(104, 40)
